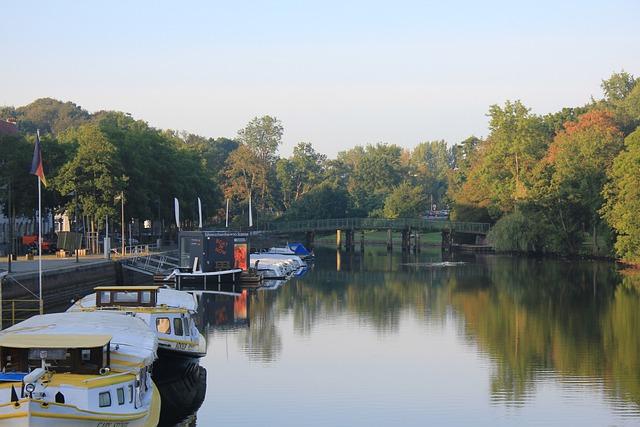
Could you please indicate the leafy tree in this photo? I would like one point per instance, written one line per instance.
(577, 162)
(618, 86)
(15, 180)
(372, 172)
(263, 136)
(50, 116)
(301, 172)
(405, 201)
(430, 166)
(322, 201)
(622, 196)
(245, 174)
(502, 171)
(94, 173)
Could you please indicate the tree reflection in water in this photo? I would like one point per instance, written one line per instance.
(573, 321)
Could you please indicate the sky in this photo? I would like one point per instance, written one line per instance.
(336, 73)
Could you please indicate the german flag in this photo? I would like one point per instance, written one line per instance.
(36, 163)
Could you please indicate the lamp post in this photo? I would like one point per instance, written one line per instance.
(122, 220)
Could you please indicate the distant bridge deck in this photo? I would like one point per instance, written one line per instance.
(424, 225)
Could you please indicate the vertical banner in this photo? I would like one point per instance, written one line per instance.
(199, 214)
(176, 206)
(226, 223)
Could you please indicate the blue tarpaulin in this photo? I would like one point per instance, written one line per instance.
(299, 249)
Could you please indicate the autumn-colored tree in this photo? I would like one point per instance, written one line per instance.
(573, 174)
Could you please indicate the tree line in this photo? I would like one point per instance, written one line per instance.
(565, 182)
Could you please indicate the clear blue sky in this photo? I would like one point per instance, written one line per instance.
(337, 73)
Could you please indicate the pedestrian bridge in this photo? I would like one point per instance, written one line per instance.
(400, 224)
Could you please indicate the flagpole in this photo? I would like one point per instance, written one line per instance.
(40, 240)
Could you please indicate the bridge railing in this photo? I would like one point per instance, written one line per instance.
(375, 224)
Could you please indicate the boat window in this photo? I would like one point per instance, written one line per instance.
(145, 297)
(120, 392)
(104, 399)
(47, 353)
(105, 297)
(86, 354)
(187, 327)
(130, 393)
(177, 326)
(124, 296)
(163, 325)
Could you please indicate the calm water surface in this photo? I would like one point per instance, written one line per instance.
(376, 339)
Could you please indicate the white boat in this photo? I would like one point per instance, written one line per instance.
(78, 369)
(292, 264)
(270, 268)
(168, 313)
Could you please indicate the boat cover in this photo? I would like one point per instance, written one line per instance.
(299, 249)
(133, 344)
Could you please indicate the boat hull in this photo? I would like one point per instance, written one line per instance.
(33, 413)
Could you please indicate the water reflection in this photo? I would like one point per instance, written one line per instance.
(182, 390)
(563, 330)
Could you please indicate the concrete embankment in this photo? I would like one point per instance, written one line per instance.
(62, 284)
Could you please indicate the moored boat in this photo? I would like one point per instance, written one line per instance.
(168, 313)
(78, 369)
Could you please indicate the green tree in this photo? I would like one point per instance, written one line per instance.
(371, 174)
(94, 173)
(622, 197)
(502, 171)
(300, 173)
(430, 165)
(578, 160)
(618, 86)
(405, 201)
(263, 135)
(322, 201)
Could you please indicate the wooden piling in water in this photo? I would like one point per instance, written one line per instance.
(389, 240)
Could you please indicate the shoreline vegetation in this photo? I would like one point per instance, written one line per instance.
(564, 183)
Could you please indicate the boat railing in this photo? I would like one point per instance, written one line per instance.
(13, 311)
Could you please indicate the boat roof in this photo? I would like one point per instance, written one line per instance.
(127, 288)
(133, 344)
(54, 340)
(167, 297)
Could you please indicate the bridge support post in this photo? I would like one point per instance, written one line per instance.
(447, 240)
(416, 242)
(338, 239)
(389, 240)
(361, 240)
(349, 241)
(406, 236)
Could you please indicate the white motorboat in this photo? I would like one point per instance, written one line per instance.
(168, 313)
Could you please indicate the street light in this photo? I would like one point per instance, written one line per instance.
(121, 198)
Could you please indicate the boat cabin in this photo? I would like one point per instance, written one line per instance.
(78, 354)
(123, 296)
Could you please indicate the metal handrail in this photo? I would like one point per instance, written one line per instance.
(13, 309)
(375, 223)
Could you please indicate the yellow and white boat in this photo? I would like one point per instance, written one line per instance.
(169, 313)
(78, 369)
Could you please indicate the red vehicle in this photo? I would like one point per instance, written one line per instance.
(31, 242)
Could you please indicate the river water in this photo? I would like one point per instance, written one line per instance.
(377, 339)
